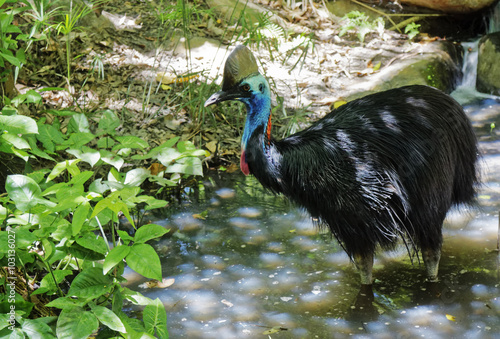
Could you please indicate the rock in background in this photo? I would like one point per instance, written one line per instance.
(488, 67)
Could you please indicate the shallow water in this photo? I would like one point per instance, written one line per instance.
(258, 267)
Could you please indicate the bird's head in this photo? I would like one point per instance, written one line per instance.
(243, 82)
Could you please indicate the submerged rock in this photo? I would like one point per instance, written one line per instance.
(488, 67)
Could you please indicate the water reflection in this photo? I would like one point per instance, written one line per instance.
(257, 267)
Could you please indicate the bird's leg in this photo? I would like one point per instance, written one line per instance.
(431, 260)
(364, 263)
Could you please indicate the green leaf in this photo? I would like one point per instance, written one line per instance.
(108, 318)
(148, 232)
(23, 190)
(36, 329)
(76, 323)
(155, 151)
(24, 237)
(109, 122)
(106, 142)
(81, 178)
(30, 97)
(76, 140)
(168, 155)
(79, 217)
(93, 242)
(79, 123)
(155, 319)
(136, 176)
(15, 141)
(136, 297)
(67, 302)
(12, 59)
(18, 124)
(47, 285)
(114, 257)
(60, 167)
(86, 154)
(112, 159)
(91, 284)
(130, 141)
(144, 260)
(189, 166)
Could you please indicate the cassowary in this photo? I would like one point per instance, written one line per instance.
(384, 167)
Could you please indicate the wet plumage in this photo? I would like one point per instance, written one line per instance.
(381, 168)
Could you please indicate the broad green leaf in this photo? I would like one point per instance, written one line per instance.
(79, 217)
(60, 167)
(48, 248)
(67, 302)
(189, 166)
(76, 323)
(30, 97)
(36, 329)
(130, 141)
(114, 257)
(23, 190)
(18, 124)
(109, 122)
(148, 232)
(79, 123)
(155, 203)
(93, 242)
(90, 284)
(108, 318)
(136, 297)
(86, 154)
(155, 319)
(168, 155)
(112, 159)
(12, 59)
(106, 142)
(98, 187)
(81, 178)
(47, 285)
(76, 140)
(185, 146)
(136, 176)
(144, 260)
(15, 141)
(24, 237)
(155, 151)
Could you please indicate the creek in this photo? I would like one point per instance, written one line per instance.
(248, 264)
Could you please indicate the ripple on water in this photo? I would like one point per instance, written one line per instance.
(249, 212)
(213, 261)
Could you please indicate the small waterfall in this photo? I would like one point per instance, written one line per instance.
(469, 67)
(494, 22)
(466, 90)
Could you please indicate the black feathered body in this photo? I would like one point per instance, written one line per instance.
(379, 168)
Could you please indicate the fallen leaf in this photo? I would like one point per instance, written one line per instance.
(450, 317)
(211, 146)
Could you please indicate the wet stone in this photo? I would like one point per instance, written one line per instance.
(186, 223)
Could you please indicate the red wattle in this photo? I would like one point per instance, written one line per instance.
(243, 164)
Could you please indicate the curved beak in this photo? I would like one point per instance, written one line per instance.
(221, 96)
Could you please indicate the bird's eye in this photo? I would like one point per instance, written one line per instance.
(261, 88)
(245, 87)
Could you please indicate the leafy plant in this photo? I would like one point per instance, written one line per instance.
(360, 23)
(60, 227)
(10, 54)
(69, 25)
(412, 29)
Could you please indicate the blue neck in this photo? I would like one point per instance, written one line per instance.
(258, 109)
